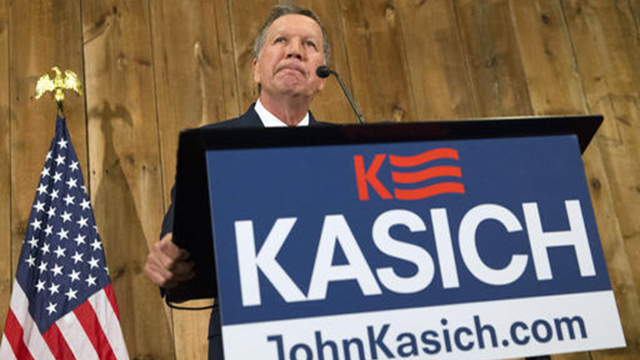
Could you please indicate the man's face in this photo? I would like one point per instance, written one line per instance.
(291, 53)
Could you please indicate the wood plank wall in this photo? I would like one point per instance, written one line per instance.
(153, 67)
(5, 166)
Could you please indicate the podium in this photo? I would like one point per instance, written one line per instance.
(467, 239)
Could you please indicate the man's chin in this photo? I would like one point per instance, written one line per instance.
(294, 91)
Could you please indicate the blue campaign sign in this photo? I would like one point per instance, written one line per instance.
(422, 248)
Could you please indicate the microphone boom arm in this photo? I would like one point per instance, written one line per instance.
(325, 71)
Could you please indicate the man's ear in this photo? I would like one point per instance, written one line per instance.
(256, 73)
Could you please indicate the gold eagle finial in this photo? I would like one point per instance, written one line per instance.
(58, 84)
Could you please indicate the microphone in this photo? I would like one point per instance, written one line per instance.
(323, 72)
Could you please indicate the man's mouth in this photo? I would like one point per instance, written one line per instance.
(291, 68)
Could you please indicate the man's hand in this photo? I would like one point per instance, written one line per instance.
(167, 264)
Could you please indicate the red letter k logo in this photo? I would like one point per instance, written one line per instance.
(369, 176)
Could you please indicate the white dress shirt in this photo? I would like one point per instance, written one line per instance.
(270, 120)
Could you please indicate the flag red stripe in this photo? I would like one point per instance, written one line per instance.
(91, 325)
(15, 336)
(112, 299)
(57, 343)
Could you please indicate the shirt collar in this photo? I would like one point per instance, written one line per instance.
(270, 120)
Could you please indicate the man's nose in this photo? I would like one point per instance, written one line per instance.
(295, 50)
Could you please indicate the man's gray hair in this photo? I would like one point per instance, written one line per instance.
(288, 8)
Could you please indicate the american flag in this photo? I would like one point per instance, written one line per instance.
(63, 305)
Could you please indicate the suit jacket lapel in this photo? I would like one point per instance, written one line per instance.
(251, 118)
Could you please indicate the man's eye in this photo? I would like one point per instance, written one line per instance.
(312, 44)
(279, 40)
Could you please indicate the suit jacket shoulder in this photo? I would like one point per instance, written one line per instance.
(249, 119)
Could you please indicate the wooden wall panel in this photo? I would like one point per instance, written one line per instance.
(228, 68)
(493, 59)
(439, 75)
(377, 59)
(125, 173)
(555, 87)
(6, 266)
(635, 41)
(601, 35)
(618, 262)
(196, 85)
(546, 51)
(246, 18)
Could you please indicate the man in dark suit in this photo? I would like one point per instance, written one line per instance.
(290, 46)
